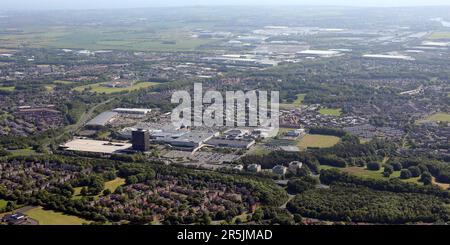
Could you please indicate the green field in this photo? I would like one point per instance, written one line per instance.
(159, 38)
(365, 173)
(110, 185)
(3, 204)
(113, 184)
(48, 217)
(9, 89)
(440, 35)
(23, 152)
(437, 117)
(61, 82)
(298, 102)
(50, 87)
(317, 141)
(331, 111)
(98, 88)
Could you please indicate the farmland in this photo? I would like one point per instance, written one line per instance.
(91, 38)
(317, 141)
(99, 88)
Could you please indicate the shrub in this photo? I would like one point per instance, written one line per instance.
(373, 166)
(397, 166)
(405, 174)
(415, 171)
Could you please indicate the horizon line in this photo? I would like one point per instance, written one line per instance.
(231, 5)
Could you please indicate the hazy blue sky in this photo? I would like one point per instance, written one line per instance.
(89, 4)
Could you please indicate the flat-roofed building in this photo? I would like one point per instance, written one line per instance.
(319, 53)
(96, 146)
(185, 141)
(226, 143)
(102, 119)
(132, 111)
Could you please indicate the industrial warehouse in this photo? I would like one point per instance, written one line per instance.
(140, 130)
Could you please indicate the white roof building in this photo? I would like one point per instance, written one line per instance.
(132, 111)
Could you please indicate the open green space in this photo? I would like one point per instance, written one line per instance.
(330, 111)
(62, 82)
(110, 185)
(9, 89)
(437, 117)
(298, 102)
(439, 35)
(317, 141)
(50, 87)
(365, 173)
(113, 184)
(159, 38)
(99, 88)
(49, 217)
(23, 152)
(3, 204)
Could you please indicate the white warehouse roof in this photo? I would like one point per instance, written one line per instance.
(132, 110)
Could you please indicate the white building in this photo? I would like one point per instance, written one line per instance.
(132, 111)
(319, 53)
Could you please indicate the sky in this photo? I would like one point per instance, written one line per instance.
(107, 4)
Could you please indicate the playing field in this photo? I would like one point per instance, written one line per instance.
(330, 111)
(98, 88)
(317, 141)
(48, 217)
(437, 117)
